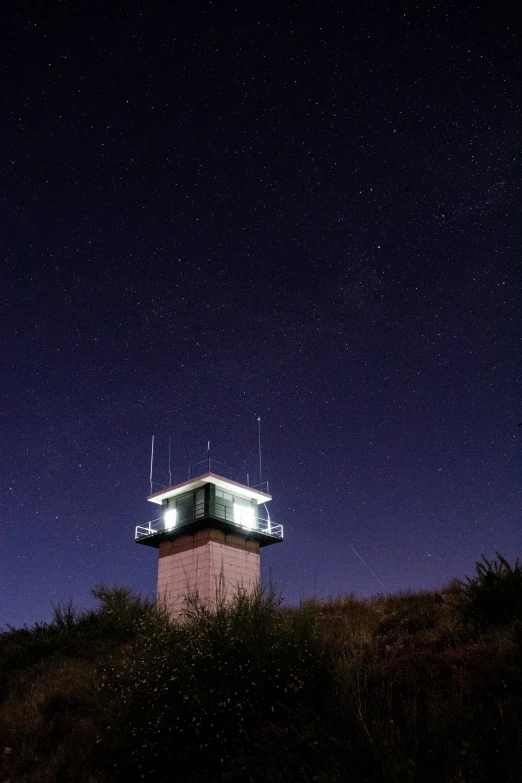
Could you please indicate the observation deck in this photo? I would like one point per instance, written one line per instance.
(212, 501)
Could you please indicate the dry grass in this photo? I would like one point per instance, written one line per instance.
(396, 688)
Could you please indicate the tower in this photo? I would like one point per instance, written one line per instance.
(209, 535)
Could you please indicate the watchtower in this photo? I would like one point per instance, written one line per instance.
(209, 535)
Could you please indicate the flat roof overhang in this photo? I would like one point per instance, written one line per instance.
(210, 478)
(189, 528)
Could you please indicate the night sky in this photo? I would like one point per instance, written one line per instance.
(307, 212)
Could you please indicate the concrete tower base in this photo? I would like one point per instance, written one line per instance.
(214, 562)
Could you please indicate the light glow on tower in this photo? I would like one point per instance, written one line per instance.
(244, 516)
(170, 518)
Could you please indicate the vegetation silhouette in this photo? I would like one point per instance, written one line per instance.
(410, 687)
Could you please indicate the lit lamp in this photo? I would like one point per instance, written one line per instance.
(170, 518)
(244, 516)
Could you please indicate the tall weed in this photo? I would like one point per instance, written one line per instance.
(494, 595)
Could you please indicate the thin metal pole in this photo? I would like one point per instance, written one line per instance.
(170, 474)
(151, 461)
(248, 480)
(208, 455)
(259, 446)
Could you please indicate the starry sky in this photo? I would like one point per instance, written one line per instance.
(307, 212)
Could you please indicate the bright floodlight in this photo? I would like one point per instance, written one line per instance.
(244, 516)
(170, 518)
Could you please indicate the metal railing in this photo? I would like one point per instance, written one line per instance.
(152, 527)
(160, 526)
(267, 526)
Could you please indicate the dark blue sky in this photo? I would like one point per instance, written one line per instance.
(308, 213)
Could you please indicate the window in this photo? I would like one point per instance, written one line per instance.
(199, 507)
(224, 512)
(225, 495)
(170, 518)
(244, 516)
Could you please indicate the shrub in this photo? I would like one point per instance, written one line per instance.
(50, 711)
(191, 696)
(396, 688)
(494, 595)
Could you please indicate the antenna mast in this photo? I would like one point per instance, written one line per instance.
(151, 461)
(259, 446)
(170, 474)
(208, 456)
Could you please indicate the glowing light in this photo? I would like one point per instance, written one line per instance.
(244, 516)
(170, 518)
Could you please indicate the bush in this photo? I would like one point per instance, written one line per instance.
(395, 688)
(494, 596)
(50, 711)
(190, 697)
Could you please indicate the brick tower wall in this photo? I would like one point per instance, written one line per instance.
(210, 562)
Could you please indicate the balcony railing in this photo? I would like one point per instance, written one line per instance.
(160, 525)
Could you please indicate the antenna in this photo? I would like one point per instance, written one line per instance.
(208, 455)
(170, 474)
(151, 461)
(259, 446)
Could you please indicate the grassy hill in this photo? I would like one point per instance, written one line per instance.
(410, 687)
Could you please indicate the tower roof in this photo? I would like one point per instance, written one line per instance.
(210, 478)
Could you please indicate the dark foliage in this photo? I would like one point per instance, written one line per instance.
(494, 595)
(194, 694)
(398, 688)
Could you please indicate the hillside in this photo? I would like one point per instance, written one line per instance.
(413, 687)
